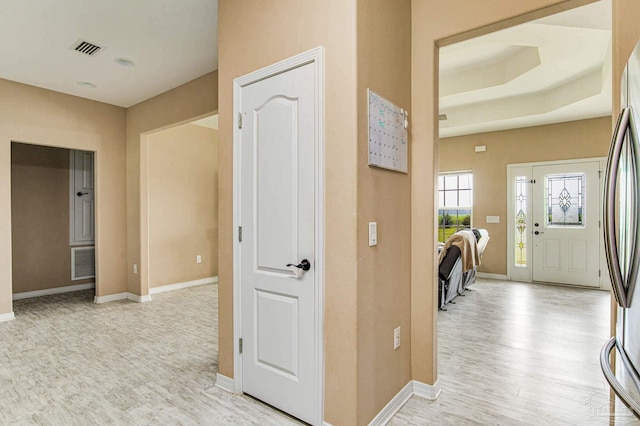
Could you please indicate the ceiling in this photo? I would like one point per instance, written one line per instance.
(546, 71)
(170, 42)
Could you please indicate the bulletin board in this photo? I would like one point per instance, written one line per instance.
(388, 138)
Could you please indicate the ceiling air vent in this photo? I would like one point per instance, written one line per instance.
(85, 47)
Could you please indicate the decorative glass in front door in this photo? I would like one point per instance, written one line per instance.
(565, 199)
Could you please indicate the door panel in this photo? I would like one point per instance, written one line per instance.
(277, 333)
(82, 194)
(277, 215)
(566, 206)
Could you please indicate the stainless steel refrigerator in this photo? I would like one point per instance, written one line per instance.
(622, 242)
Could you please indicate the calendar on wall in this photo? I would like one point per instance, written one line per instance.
(388, 138)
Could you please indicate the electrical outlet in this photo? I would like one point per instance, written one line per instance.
(199, 259)
(396, 338)
(135, 268)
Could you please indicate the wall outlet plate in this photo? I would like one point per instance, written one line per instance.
(373, 234)
(199, 258)
(396, 338)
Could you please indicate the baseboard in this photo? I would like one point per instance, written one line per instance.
(412, 388)
(50, 291)
(500, 277)
(110, 298)
(139, 299)
(423, 390)
(122, 296)
(225, 383)
(176, 286)
(7, 317)
(393, 406)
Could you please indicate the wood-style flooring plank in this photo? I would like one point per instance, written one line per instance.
(520, 354)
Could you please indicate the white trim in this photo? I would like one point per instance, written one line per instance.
(423, 390)
(50, 291)
(110, 298)
(177, 286)
(412, 388)
(122, 296)
(316, 57)
(7, 317)
(500, 277)
(393, 406)
(139, 299)
(225, 383)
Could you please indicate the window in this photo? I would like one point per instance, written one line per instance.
(565, 198)
(455, 200)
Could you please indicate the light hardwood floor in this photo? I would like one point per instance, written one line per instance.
(509, 354)
(67, 361)
(527, 354)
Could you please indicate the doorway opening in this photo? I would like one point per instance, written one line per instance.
(53, 222)
(179, 215)
(520, 96)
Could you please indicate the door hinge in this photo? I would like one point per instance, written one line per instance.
(599, 272)
(240, 344)
(599, 174)
(239, 120)
(240, 234)
(599, 224)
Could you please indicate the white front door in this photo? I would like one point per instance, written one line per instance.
(566, 219)
(277, 216)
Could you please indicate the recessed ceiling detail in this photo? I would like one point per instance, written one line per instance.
(87, 48)
(547, 71)
(510, 64)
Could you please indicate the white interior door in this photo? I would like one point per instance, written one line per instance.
(566, 220)
(277, 208)
(82, 196)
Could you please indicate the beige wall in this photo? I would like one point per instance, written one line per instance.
(195, 99)
(252, 37)
(32, 115)
(564, 141)
(432, 22)
(40, 250)
(384, 285)
(183, 204)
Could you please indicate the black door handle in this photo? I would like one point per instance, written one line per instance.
(304, 265)
(538, 232)
(80, 194)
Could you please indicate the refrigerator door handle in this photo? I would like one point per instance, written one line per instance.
(620, 391)
(610, 223)
(635, 226)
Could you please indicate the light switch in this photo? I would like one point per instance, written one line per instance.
(493, 219)
(373, 234)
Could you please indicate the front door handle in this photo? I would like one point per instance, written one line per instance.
(538, 232)
(305, 265)
(80, 194)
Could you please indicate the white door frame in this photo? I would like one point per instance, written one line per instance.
(316, 57)
(604, 277)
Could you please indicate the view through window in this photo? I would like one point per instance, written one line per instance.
(455, 201)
